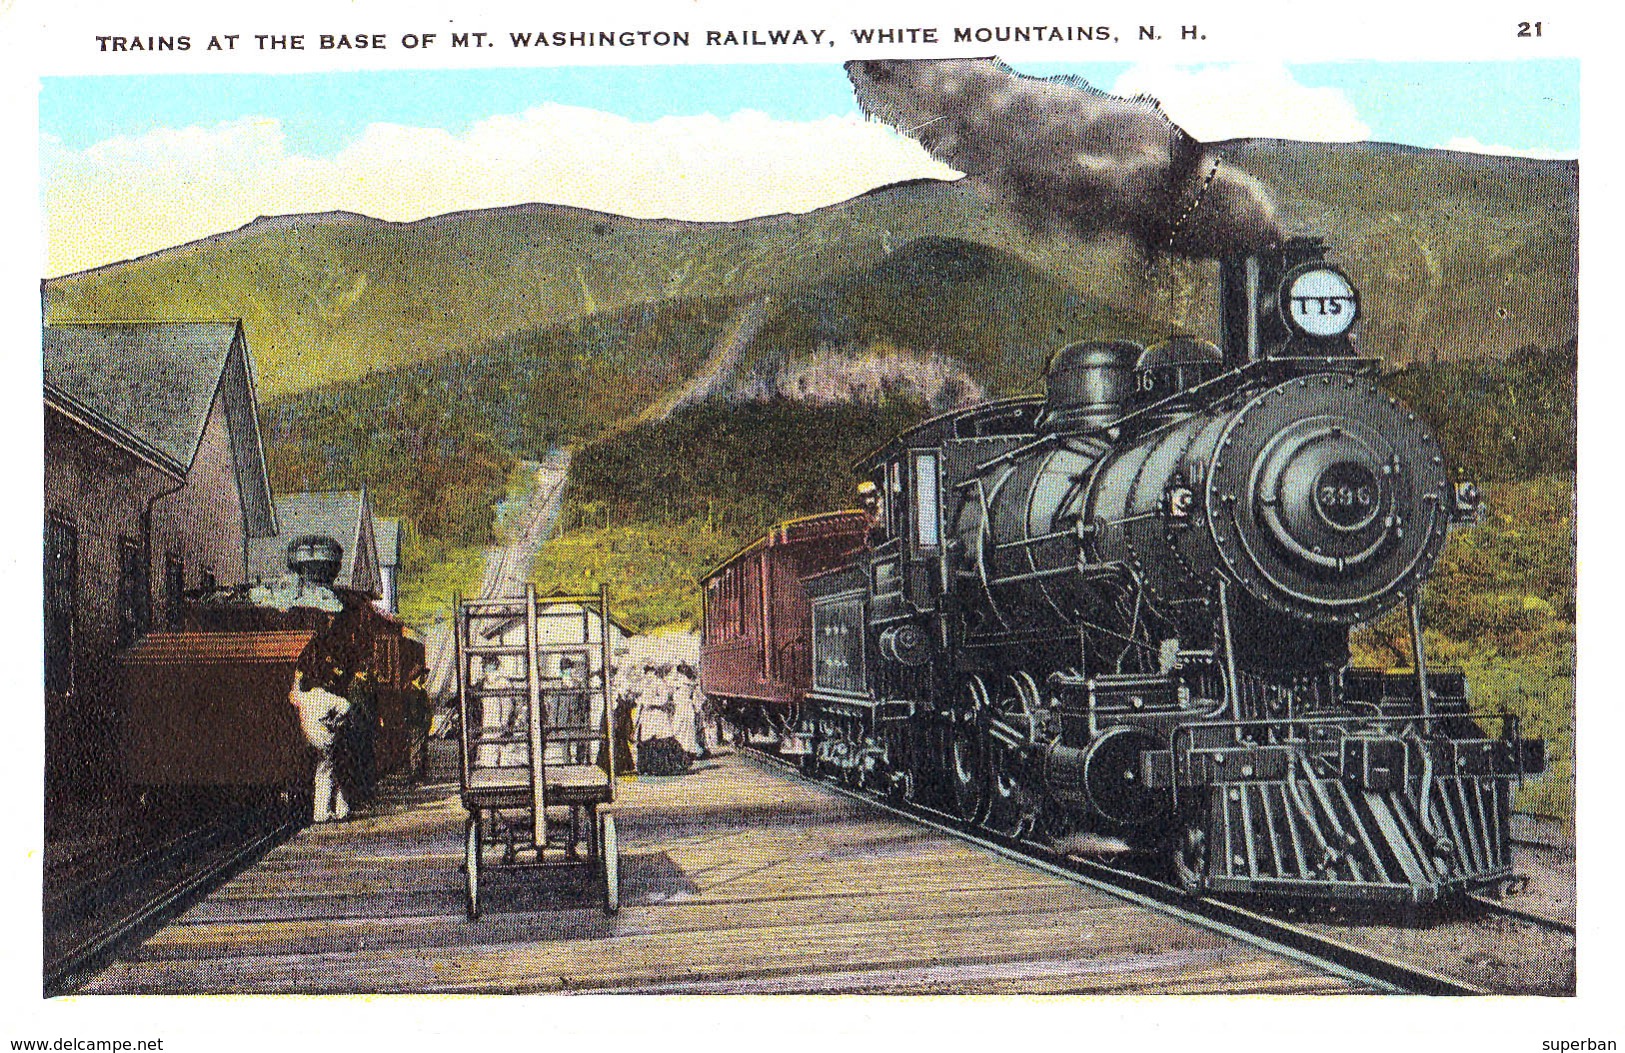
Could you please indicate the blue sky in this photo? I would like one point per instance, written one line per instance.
(135, 164)
(1526, 105)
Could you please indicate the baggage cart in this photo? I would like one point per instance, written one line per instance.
(538, 764)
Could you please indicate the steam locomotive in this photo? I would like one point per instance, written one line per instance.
(1119, 614)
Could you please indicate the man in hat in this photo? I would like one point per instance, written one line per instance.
(322, 716)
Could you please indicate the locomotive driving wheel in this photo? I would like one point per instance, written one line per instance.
(1012, 808)
(966, 760)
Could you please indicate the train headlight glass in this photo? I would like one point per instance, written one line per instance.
(1319, 301)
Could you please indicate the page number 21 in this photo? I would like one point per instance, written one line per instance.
(1529, 29)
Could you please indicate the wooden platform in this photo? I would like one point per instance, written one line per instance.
(736, 879)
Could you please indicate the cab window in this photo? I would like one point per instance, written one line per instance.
(927, 529)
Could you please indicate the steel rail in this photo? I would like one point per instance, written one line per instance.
(75, 966)
(1384, 975)
(1491, 906)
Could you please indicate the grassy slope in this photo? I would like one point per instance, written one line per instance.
(333, 298)
(992, 312)
(1461, 255)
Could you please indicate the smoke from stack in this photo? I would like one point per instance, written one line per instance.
(1064, 155)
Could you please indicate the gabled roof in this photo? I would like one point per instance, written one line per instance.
(388, 533)
(343, 515)
(148, 387)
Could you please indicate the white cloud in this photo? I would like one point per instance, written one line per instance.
(1470, 145)
(1248, 99)
(127, 196)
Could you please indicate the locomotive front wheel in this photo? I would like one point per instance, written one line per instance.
(1190, 857)
(471, 864)
(611, 855)
(1009, 813)
(1055, 821)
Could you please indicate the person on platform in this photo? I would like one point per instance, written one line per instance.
(359, 740)
(660, 751)
(418, 713)
(502, 712)
(686, 715)
(626, 728)
(322, 716)
(572, 708)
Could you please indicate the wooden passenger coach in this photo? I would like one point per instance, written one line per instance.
(754, 660)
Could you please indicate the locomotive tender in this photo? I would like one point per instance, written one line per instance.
(1123, 609)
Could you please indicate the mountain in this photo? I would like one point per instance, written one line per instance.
(334, 297)
(1458, 255)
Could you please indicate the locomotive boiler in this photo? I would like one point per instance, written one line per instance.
(1123, 610)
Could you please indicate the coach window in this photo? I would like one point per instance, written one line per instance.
(926, 528)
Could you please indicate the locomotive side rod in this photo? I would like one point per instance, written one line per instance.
(1382, 975)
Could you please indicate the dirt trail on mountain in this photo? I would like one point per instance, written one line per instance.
(720, 364)
(507, 566)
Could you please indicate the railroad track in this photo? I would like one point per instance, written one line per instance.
(1496, 907)
(1308, 944)
(225, 848)
(507, 565)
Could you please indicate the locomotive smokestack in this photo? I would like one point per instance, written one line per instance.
(315, 558)
(1067, 156)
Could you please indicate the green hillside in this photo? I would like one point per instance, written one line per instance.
(334, 297)
(1508, 419)
(992, 313)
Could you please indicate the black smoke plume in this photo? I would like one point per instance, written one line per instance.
(1063, 154)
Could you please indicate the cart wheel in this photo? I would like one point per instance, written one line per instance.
(471, 864)
(612, 867)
